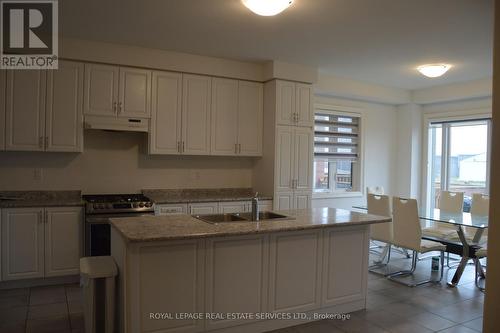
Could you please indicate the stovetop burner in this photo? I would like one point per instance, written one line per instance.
(105, 198)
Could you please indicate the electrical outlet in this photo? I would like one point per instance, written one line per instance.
(37, 174)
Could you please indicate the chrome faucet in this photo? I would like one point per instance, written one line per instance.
(255, 207)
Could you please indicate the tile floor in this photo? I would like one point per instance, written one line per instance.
(391, 307)
(54, 309)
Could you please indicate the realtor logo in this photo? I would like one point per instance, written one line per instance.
(29, 36)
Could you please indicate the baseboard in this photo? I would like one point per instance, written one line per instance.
(27, 283)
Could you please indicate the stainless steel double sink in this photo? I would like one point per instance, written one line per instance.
(240, 217)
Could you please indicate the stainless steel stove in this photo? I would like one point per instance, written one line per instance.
(100, 208)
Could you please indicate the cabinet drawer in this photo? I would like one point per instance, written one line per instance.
(171, 209)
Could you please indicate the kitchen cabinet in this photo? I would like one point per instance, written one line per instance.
(200, 208)
(171, 209)
(196, 113)
(63, 240)
(117, 91)
(64, 108)
(166, 113)
(41, 242)
(44, 109)
(3, 77)
(237, 116)
(294, 104)
(25, 110)
(293, 170)
(235, 207)
(22, 243)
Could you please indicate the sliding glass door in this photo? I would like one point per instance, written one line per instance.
(458, 159)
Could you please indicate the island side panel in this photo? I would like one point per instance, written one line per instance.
(166, 278)
(119, 254)
(345, 266)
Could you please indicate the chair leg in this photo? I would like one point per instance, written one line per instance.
(380, 264)
(479, 272)
(394, 276)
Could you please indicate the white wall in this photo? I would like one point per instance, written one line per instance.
(115, 162)
(379, 122)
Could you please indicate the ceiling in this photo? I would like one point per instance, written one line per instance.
(378, 41)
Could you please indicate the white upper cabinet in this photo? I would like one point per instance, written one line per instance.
(224, 117)
(294, 104)
(196, 96)
(3, 75)
(285, 100)
(64, 118)
(135, 91)
(304, 104)
(166, 113)
(303, 158)
(101, 89)
(250, 118)
(25, 110)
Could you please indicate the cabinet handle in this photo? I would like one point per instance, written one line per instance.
(119, 107)
(236, 148)
(183, 146)
(46, 217)
(239, 148)
(114, 107)
(46, 142)
(178, 146)
(40, 142)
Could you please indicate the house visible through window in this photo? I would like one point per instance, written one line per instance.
(336, 152)
(459, 159)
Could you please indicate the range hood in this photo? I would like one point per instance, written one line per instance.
(116, 124)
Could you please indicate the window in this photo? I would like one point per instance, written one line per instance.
(336, 147)
(459, 159)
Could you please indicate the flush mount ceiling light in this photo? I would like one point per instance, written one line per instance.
(267, 7)
(433, 70)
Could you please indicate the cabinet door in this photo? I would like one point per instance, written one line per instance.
(283, 200)
(63, 240)
(236, 277)
(295, 264)
(25, 110)
(234, 207)
(135, 93)
(203, 208)
(303, 158)
(3, 77)
(171, 209)
(22, 243)
(101, 90)
(302, 199)
(304, 104)
(224, 117)
(64, 119)
(284, 158)
(342, 249)
(165, 128)
(250, 118)
(196, 93)
(285, 103)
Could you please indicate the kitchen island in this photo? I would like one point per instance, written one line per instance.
(180, 274)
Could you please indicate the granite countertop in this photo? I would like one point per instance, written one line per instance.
(17, 199)
(167, 196)
(173, 227)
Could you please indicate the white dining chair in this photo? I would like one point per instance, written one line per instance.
(480, 254)
(375, 190)
(480, 204)
(450, 202)
(382, 232)
(408, 234)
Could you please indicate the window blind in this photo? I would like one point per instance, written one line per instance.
(335, 137)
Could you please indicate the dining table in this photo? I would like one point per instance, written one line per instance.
(462, 245)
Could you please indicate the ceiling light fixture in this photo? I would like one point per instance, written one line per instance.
(433, 70)
(267, 7)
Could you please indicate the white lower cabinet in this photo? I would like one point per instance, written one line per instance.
(171, 209)
(41, 242)
(236, 277)
(63, 240)
(22, 243)
(203, 208)
(234, 207)
(294, 274)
